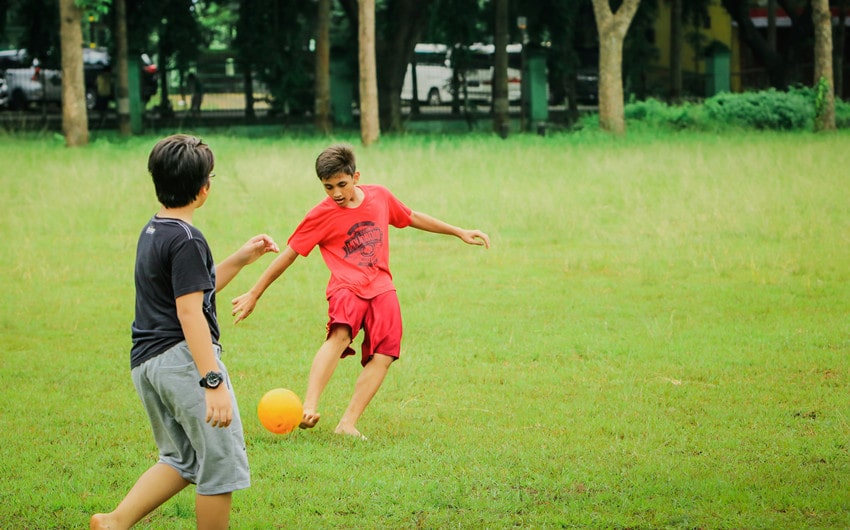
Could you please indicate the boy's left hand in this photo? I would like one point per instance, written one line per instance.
(475, 237)
(256, 247)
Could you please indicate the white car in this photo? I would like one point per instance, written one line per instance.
(479, 72)
(434, 66)
(433, 75)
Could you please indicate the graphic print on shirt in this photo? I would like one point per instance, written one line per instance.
(363, 241)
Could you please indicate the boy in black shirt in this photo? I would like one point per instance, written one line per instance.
(175, 358)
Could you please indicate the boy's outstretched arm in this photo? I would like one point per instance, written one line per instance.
(244, 304)
(429, 224)
(248, 253)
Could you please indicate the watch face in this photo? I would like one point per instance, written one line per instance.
(213, 379)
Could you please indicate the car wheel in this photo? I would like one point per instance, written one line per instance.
(434, 97)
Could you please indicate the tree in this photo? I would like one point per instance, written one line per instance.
(122, 67)
(74, 116)
(822, 20)
(399, 24)
(501, 118)
(369, 123)
(838, 47)
(323, 55)
(612, 28)
(761, 48)
(676, 42)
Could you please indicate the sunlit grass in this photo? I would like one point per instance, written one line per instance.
(658, 337)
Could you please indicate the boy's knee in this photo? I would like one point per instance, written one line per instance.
(340, 333)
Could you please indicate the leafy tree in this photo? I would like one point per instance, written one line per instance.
(839, 46)
(323, 53)
(501, 118)
(272, 39)
(560, 23)
(612, 27)
(398, 26)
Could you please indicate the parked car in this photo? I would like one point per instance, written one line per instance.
(28, 82)
(4, 92)
(479, 72)
(433, 75)
(587, 86)
(434, 66)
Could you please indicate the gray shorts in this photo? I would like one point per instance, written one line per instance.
(213, 458)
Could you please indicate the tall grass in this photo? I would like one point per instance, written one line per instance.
(658, 337)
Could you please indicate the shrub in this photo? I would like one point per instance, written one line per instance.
(769, 109)
(842, 114)
(658, 113)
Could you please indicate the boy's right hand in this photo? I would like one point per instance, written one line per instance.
(219, 406)
(243, 306)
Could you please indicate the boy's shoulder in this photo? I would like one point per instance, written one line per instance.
(175, 231)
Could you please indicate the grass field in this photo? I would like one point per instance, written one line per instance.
(658, 337)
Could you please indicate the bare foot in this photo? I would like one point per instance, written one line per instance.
(100, 521)
(309, 420)
(349, 431)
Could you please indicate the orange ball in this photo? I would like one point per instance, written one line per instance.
(280, 410)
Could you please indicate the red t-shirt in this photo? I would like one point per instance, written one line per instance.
(354, 241)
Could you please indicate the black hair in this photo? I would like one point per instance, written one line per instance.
(334, 160)
(180, 166)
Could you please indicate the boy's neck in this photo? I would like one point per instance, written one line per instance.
(184, 214)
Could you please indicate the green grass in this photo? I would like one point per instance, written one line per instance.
(658, 337)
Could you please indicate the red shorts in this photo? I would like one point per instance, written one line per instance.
(379, 317)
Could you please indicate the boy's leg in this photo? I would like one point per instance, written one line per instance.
(154, 487)
(213, 511)
(367, 386)
(323, 368)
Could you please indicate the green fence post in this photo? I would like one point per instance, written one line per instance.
(342, 92)
(718, 70)
(134, 75)
(534, 84)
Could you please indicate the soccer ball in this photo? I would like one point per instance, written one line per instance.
(280, 410)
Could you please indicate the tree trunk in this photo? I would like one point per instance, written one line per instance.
(123, 78)
(323, 75)
(248, 81)
(74, 117)
(501, 117)
(775, 64)
(676, 51)
(771, 25)
(822, 20)
(394, 52)
(369, 125)
(838, 48)
(612, 29)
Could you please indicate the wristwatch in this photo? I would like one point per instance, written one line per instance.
(212, 380)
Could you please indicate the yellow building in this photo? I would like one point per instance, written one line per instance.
(697, 65)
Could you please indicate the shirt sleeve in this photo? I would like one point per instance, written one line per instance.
(399, 213)
(309, 231)
(189, 268)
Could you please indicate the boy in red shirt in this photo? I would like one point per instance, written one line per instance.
(351, 229)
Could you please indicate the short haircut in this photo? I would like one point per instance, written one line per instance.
(334, 160)
(180, 166)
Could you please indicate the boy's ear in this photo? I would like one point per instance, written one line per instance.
(356, 176)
